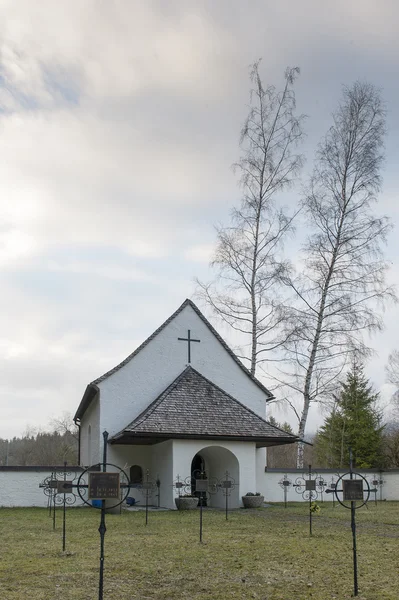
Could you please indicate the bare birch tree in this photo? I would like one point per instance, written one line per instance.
(247, 260)
(392, 376)
(342, 283)
(392, 368)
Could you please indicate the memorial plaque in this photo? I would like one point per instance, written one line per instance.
(103, 486)
(201, 485)
(310, 485)
(353, 489)
(64, 487)
(226, 484)
(286, 483)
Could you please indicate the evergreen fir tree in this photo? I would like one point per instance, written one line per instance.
(354, 422)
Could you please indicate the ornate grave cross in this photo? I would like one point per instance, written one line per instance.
(205, 486)
(49, 485)
(96, 483)
(227, 485)
(308, 487)
(331, 487)
(182, 485)
(149, 485)
(285, 483)
(189, 341)
(158, 485)
(377, 483)
(65, 496)
(321, 484)
(353, 494)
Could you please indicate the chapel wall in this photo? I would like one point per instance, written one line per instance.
(162, 467)
(128, 391)
(127, 456)
(91, 439)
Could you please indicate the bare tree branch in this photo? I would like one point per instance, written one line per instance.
(248, 258)
(336, 297)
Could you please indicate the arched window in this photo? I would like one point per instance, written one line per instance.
(136, 475)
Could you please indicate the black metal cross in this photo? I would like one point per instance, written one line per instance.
(188, 339)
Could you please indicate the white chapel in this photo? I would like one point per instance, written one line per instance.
(181, 402)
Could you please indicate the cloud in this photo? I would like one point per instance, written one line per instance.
(118, 125)
(200, 253)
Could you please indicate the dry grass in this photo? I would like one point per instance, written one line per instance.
(265, 554)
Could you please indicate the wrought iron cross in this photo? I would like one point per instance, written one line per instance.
(189, 340)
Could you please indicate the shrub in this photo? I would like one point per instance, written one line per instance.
(315, 508)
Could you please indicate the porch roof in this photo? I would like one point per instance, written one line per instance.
(193, 407)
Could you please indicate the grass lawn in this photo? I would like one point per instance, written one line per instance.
(263, 553)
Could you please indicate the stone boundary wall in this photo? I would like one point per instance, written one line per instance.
(19, 486)
(272, 491)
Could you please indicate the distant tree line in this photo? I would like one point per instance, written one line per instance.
(47, 448)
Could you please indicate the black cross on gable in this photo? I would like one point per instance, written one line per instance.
(189, 340)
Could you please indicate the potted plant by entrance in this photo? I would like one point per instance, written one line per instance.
(252, 500)
(187, 502)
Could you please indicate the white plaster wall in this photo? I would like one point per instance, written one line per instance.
(162, 467)
(21, 488)
(127, 456)
(390, 489)
(158, 459)
(185, 450)
(91, 418)
(126, 393)
(269, 484)
(260, 457)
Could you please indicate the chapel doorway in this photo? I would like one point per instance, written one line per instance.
(197, 468)
(217, 461)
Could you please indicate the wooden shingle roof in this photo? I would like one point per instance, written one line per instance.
(194, 407)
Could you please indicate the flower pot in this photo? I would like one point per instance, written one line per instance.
(252, 501)
(186, 503)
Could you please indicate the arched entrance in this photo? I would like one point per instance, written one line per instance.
(216, 461)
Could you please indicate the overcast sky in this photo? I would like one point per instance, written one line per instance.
(119, 121)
